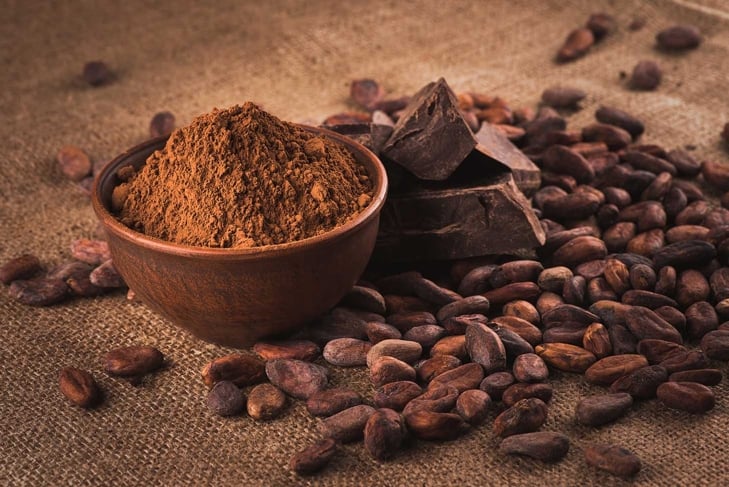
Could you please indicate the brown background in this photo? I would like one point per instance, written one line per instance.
(296, 59)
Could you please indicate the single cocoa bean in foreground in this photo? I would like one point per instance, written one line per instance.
(97, 73)
(546, 446)
(614, 459)
(73, 162)
(79, 387)
(646, 76)
(133, 361)
(314, 457)
(576, 45)
(679, 37)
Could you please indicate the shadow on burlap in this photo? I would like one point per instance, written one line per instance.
(296, 59)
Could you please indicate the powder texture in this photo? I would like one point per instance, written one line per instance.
(241, 177)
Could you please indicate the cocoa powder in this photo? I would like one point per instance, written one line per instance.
(241, 177)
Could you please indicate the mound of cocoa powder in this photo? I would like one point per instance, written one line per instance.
(241, 177)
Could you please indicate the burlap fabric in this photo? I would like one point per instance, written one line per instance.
(296, 59)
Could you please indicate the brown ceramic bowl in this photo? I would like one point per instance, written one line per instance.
(236, 296)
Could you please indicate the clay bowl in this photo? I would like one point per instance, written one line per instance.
(236, 296)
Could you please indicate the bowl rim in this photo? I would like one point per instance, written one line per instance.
(112, 224)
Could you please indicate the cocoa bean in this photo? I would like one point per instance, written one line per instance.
(525, 416)
(473, 406)
(642, 277)
(162, 123)
(720, 283)
(707, 377)
(619, 118)
(562, 96)
(437, 398)
(79, 387)
(596, 340)
(715, 345)
(347, 425)
(485, 348)
(22, 267)
(396, 304)
(691, 287)
(658, 188)
(461, 378)
(73, 162)
(294, 349)
(644, 323)
(648, 299)
(617, 275)
(686, 396)
(242, 370)
(716, 174)
(558, 239)
(495, 384)
(106, 276)
(616, 237)
(548, 301)
(647, 162)
(451, 345)
(515, 271)
(94, 252)
(404, 350)
(476, 281)
(569, 332)
(389, 369)
(610, 313)
(601, 24)
(327, 402)
(641, 383)
(297, 378)
(598, 290)
(622, 340)
(563, 160)
(524, 310)
(553, 278)
(97, 73)
(514, 344)
(574, 290)
(563, 356)
(666, 283)
(365, 298)
(465, 306)
(615, 137)
(366, 92)
(672, 316)
(577, 43)
(685, 360)
(529, 367)
(432, 367)
(516, 392)
(701, 319)
(693, 214)
(396, 395)
(428, 425)
(346, 352)
(39, 291)
(656, 351)
(314, 457)
(405, 320)
(684, 163)
(540, 445)
(133, 361)
(679, 37)
(226, 399)
(457, 325)
(567, 312)
(518, 290)
(603, 408)
(646, 76)
(607, 370)
(578, 250)
(617, 196)
(384, 433)
(613, 459)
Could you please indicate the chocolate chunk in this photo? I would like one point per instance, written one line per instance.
(457, 220)
(494, 145)
(431, 138)
(371, 135)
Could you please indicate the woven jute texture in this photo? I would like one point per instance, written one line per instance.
(296, 59)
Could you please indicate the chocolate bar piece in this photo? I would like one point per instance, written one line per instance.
(431, 138)
(371, 135)
(478, 211)
(496, 146)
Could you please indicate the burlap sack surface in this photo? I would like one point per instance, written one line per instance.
(296, 59)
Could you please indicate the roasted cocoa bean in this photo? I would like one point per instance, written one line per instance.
(523, 310)
(476, 281)
(529, 367)
(715, 345)
(641, 383)
(615, 137)
(562, 96)
(470, 305)
(691, 287)
(596, 340)
(451, 345)
(644, 323)
(485, 348)
(685, 360)
(701, 318)
(22, 267)
(578, 250)
(686, 396)
(563, 160)
(389, 369)
(540, 445)
(314, 457)
(646, 76)
(240, 369)
(603, 408)
(396, 395)
(607, 370)
(437, 398)
(428, 425)
(525, 416)
(297, 378)
(133, 361)
(613, 459)
(432, 367)
(516, 392)
(563, 356)
(347, 425)
(577, 43)
(707, 377)
(384, 433)
(678, 37)
(226, 399)
(293, 349)
(619, 118)
(79, 387)
(461, 378)
(407, 351)
(327, 402)
(365, 298)
(565, 313)
(39, 291)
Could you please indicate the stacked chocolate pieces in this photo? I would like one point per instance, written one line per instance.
(453, 194)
